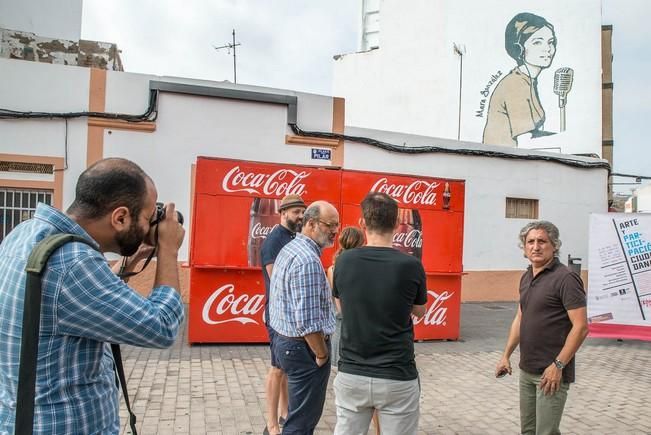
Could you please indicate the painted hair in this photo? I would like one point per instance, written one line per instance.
(519, 29)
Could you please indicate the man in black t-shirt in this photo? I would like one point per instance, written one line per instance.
(291, 219)
(550, 326)
(378, 288)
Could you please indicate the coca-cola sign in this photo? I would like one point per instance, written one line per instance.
(412, 239)
(259, 231)
(223, 306)
(280, 183)
(417, 192)
(437, 312)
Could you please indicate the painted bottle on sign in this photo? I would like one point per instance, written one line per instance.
(263, 218)
(446, 196)
(409, 236)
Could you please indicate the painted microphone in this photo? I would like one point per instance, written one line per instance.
(563, 78)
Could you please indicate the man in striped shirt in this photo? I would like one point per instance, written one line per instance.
(302, 313)
(85, 306)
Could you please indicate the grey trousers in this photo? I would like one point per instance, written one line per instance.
(356, 397)
(540, 414)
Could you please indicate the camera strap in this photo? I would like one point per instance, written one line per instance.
(25, 396)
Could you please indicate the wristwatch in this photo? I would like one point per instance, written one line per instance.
(559, 364)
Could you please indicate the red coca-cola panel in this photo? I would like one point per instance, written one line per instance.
(236, 206)
(410, 191)
(442, 317)
(226, 306)
(430, 215)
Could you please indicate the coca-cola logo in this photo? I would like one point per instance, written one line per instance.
(418, 192)
(223, 307)
(437, 313)
(411, 239)
(259, 231)
(280, 183)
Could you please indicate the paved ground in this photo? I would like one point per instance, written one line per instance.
(217, 389)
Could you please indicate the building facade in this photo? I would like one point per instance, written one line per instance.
(517, 73)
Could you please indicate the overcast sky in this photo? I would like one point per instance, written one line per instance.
(289, 44)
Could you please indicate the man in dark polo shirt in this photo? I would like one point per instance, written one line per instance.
(291, 219)
(550, 326)
(379, 288)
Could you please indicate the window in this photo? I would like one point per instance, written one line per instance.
(521, 208)
(17, 205)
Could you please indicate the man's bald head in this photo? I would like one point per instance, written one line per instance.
(108, 184)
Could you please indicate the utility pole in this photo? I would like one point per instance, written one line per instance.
(232, 46)
(460, 50)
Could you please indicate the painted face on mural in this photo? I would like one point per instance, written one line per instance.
(540, 48)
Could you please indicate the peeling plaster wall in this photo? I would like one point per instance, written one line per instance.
(16, 44)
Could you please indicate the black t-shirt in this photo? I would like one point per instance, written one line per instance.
(544, 325)
(275, 241)
(377, 288)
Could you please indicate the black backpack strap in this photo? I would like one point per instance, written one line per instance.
(31, 328)
(120, 379)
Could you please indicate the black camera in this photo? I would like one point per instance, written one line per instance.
(160, 214)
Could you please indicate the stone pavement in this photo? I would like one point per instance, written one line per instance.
(219, 389)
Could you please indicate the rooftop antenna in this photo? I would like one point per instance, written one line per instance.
(232, 46)
(459, 50)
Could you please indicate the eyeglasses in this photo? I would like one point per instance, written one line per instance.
(331, 226)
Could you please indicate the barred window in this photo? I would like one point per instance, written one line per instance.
(18, 205)
(521, 208)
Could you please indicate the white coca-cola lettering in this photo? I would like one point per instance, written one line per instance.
(230, 308)
(261, 232)
(417, 192)
(436, 314)
(412, 239)
(280, 183)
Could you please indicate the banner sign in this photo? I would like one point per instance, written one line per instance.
(619, 292)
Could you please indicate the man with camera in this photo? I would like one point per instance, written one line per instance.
(85, 305)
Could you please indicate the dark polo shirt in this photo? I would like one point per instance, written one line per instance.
(544, 325)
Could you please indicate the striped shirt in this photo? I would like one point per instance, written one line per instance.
(85, 306)
(300, 296)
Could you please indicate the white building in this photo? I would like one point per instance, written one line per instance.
(505, 187)
(640, 202)
(432, 68)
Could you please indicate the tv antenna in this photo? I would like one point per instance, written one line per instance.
(231, 46)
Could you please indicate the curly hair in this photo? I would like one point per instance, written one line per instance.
(548, 227)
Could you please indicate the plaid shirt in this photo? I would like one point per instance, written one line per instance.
(300, 296)
(85, 306)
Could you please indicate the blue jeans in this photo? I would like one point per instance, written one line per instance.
(306, 382)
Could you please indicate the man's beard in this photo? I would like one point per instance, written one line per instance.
(323, 240)
(130, 241)
(294, 227)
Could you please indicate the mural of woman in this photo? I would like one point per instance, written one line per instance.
(514, 108)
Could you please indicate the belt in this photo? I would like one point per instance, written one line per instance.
(326, 337)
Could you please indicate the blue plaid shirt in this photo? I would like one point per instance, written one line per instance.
(85, 306)
(300, 296)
